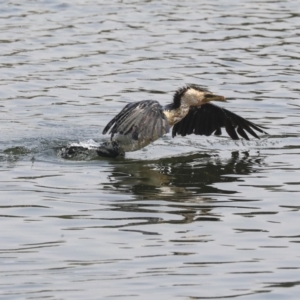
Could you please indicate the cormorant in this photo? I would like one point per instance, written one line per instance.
(140, 123)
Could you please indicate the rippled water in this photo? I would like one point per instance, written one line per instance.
(185, 218)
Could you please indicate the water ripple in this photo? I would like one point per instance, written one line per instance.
(191, 218)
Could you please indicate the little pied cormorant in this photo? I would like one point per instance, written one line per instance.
(140, 123)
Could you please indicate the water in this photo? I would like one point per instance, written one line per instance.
(185, 218)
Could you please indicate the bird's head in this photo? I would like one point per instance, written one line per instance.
(194, 95)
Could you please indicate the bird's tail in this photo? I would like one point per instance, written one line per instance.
(106, 149)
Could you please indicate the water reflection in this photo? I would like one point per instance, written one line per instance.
(180, 177)
(182, 187)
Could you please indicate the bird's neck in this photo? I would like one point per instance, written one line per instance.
(175, 115)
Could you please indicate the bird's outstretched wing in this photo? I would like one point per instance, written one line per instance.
(141, 120)
(209, 119)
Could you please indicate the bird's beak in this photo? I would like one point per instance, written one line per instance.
(213, 97)
(218, 98)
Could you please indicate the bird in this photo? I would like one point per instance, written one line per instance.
(140, 123)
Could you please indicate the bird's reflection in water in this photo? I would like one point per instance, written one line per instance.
(181, 185)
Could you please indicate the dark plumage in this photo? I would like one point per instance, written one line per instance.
(144, 119)
(139, 124)
(208, 119)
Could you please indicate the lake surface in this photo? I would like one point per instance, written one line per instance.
(185, 218)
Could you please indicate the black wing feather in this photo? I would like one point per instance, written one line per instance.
(208, 119)
(145, 117)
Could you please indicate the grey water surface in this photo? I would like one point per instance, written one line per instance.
(185, 218)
